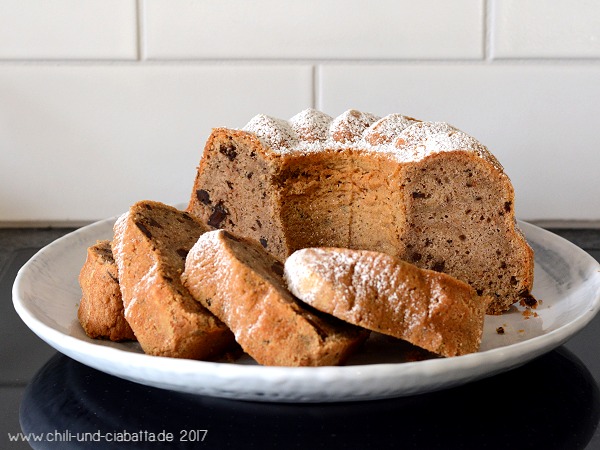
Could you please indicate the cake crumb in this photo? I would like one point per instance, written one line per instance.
(500, 330)
(528, 313)
(529, 301)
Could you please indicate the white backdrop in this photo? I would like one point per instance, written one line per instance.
(106, 102)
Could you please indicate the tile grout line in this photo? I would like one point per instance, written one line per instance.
(489, 25)
(484, 27)
(316, 87)
(499, 62)
(141, 47)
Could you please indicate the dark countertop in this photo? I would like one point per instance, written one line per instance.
(552, 402)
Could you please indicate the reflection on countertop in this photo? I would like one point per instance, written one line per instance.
(552, 403)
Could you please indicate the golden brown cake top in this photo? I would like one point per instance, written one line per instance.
(404, 138)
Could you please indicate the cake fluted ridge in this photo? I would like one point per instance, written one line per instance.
(400, 136)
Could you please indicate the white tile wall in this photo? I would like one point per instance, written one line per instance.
(105, 102)
(93, 29)
(314, 29)
(543, 29)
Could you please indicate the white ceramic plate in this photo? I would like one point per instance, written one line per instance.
(567, 280)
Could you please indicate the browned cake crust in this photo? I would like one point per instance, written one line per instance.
(242, 285)
(422, 191)
(382, 293)
(150, 244)
(100, 311)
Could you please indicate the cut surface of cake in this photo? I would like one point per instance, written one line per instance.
(243, 285)
(382, 293)
(424, 192)
(100, 311)
(150, 244)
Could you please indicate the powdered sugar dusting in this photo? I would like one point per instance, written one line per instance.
(117, 243)
(304, 267)
(347, 282)
(402, 138)
(275, 132)
(350, 126)
(208, 249)
(141, 287)
(209, 257)
(427, 137)
(386, 129)
(355, 274)
(311, 125)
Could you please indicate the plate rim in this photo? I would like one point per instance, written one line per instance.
(469, 366)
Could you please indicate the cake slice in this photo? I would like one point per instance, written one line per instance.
(100, 311)
(150, 244)
(382, 293)
(242, 284)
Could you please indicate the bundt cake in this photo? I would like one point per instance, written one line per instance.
(382, 293)
(424, 192)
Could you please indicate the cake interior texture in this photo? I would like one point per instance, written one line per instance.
(424, 192)
(151, 242)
